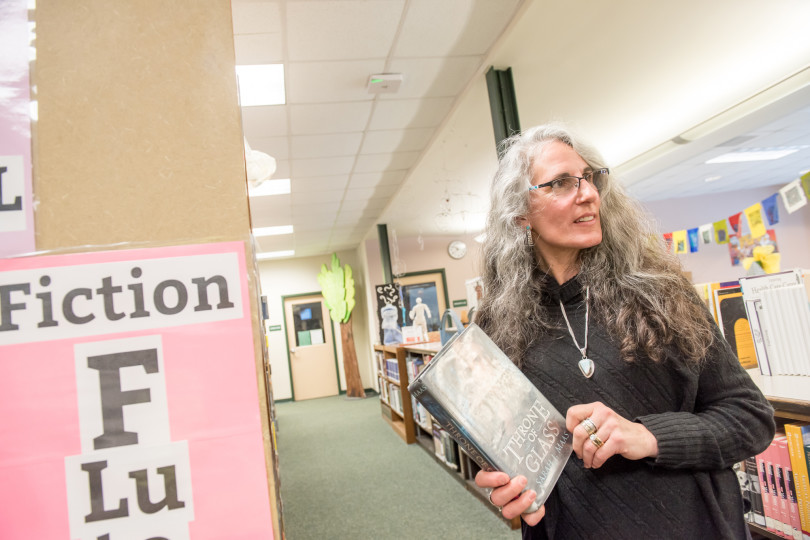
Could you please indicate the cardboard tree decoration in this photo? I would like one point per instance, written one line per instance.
(337, 287)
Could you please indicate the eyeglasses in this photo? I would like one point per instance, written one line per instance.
(566, 185)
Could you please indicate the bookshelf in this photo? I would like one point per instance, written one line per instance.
(395, 401)
(790, 397)
(429, 436)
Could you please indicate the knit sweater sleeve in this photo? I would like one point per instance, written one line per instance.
(730, 419)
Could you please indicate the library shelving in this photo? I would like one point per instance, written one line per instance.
(790, 397)
(414, 424)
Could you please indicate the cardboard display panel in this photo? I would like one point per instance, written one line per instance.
(139, 133)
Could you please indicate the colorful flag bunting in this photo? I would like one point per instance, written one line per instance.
(755, 224)
(668, 240)
(806, 184)
(793, 196)
(771, 209)
(693, 239)
(679, 238)
(720, 232)
(734, 221)
(705, 233)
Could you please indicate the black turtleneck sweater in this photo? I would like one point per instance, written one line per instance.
(705, 419)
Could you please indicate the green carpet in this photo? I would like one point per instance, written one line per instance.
(345, 474)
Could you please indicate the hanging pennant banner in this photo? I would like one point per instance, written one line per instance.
(705, 233)
(720, 231)
(754, 215)
(693, 239)
(793, 196)
(806, 184)
(668, 240)
(679, 238)
(771, 209)
(734, 221)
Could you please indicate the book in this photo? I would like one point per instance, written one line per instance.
(787, 489)
(757, 514)
(795, 433)
(733, 322)
(773, 320)
(494, 413)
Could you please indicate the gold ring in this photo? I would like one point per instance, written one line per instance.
(596, 440)
(589, 426)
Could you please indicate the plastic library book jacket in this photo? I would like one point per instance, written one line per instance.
(494, 412)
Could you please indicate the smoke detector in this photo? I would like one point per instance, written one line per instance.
(384, 83)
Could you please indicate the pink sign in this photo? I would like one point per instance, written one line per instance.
(128, 397)
(16, 208)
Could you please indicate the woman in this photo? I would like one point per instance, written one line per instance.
(582, 295)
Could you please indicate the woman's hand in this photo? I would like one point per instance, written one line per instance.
(617, 434)
(506, 494)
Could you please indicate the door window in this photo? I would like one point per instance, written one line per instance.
(308, 324)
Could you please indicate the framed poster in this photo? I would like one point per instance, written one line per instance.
(129, 396)
(428, 288)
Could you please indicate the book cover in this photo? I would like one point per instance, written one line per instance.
(788, 492)
(765, 490)
(495, 414)
(755, 491)
(764, 322)
(733, 321)
(795, 433)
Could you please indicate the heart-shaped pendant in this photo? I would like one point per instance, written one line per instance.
(586, 367)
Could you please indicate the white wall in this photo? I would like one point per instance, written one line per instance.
(712, 261)
(297, 276)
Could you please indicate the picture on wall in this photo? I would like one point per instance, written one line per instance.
(424, 298)
(389, 313)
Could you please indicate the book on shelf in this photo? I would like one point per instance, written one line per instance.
(494, 413)
(787, 489)
(779, 316)
(756, 514)
(798, 442)
(733, 322)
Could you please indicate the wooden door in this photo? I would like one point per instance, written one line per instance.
(313, 365)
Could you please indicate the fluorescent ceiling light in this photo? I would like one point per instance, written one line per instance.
(275, 254)
(480, 238)
(273, 231)
(261, 84)
(756, 154)
(270, 187)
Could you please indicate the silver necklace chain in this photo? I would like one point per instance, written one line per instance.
(583, 350)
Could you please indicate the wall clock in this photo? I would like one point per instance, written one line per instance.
(457, 249)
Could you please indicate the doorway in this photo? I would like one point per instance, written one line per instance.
(311, 347)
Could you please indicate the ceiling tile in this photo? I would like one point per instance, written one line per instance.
(324, 82)
(302, 168)
(399, 140)
(341, 29)
(275, 243)
(252, 49)
(255, 17)
(409, 113)
(433, 77)
(278, 147)
(315, 197)
(319, 183)
(452, 27)
(383, 162)
(264, 121)
(377, 178)
(317, 146)
(329, 118)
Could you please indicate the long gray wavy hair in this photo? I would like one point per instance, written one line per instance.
(637, 288)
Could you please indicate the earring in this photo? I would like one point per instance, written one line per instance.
(528, 241)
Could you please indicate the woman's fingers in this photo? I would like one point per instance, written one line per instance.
(491, 479)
